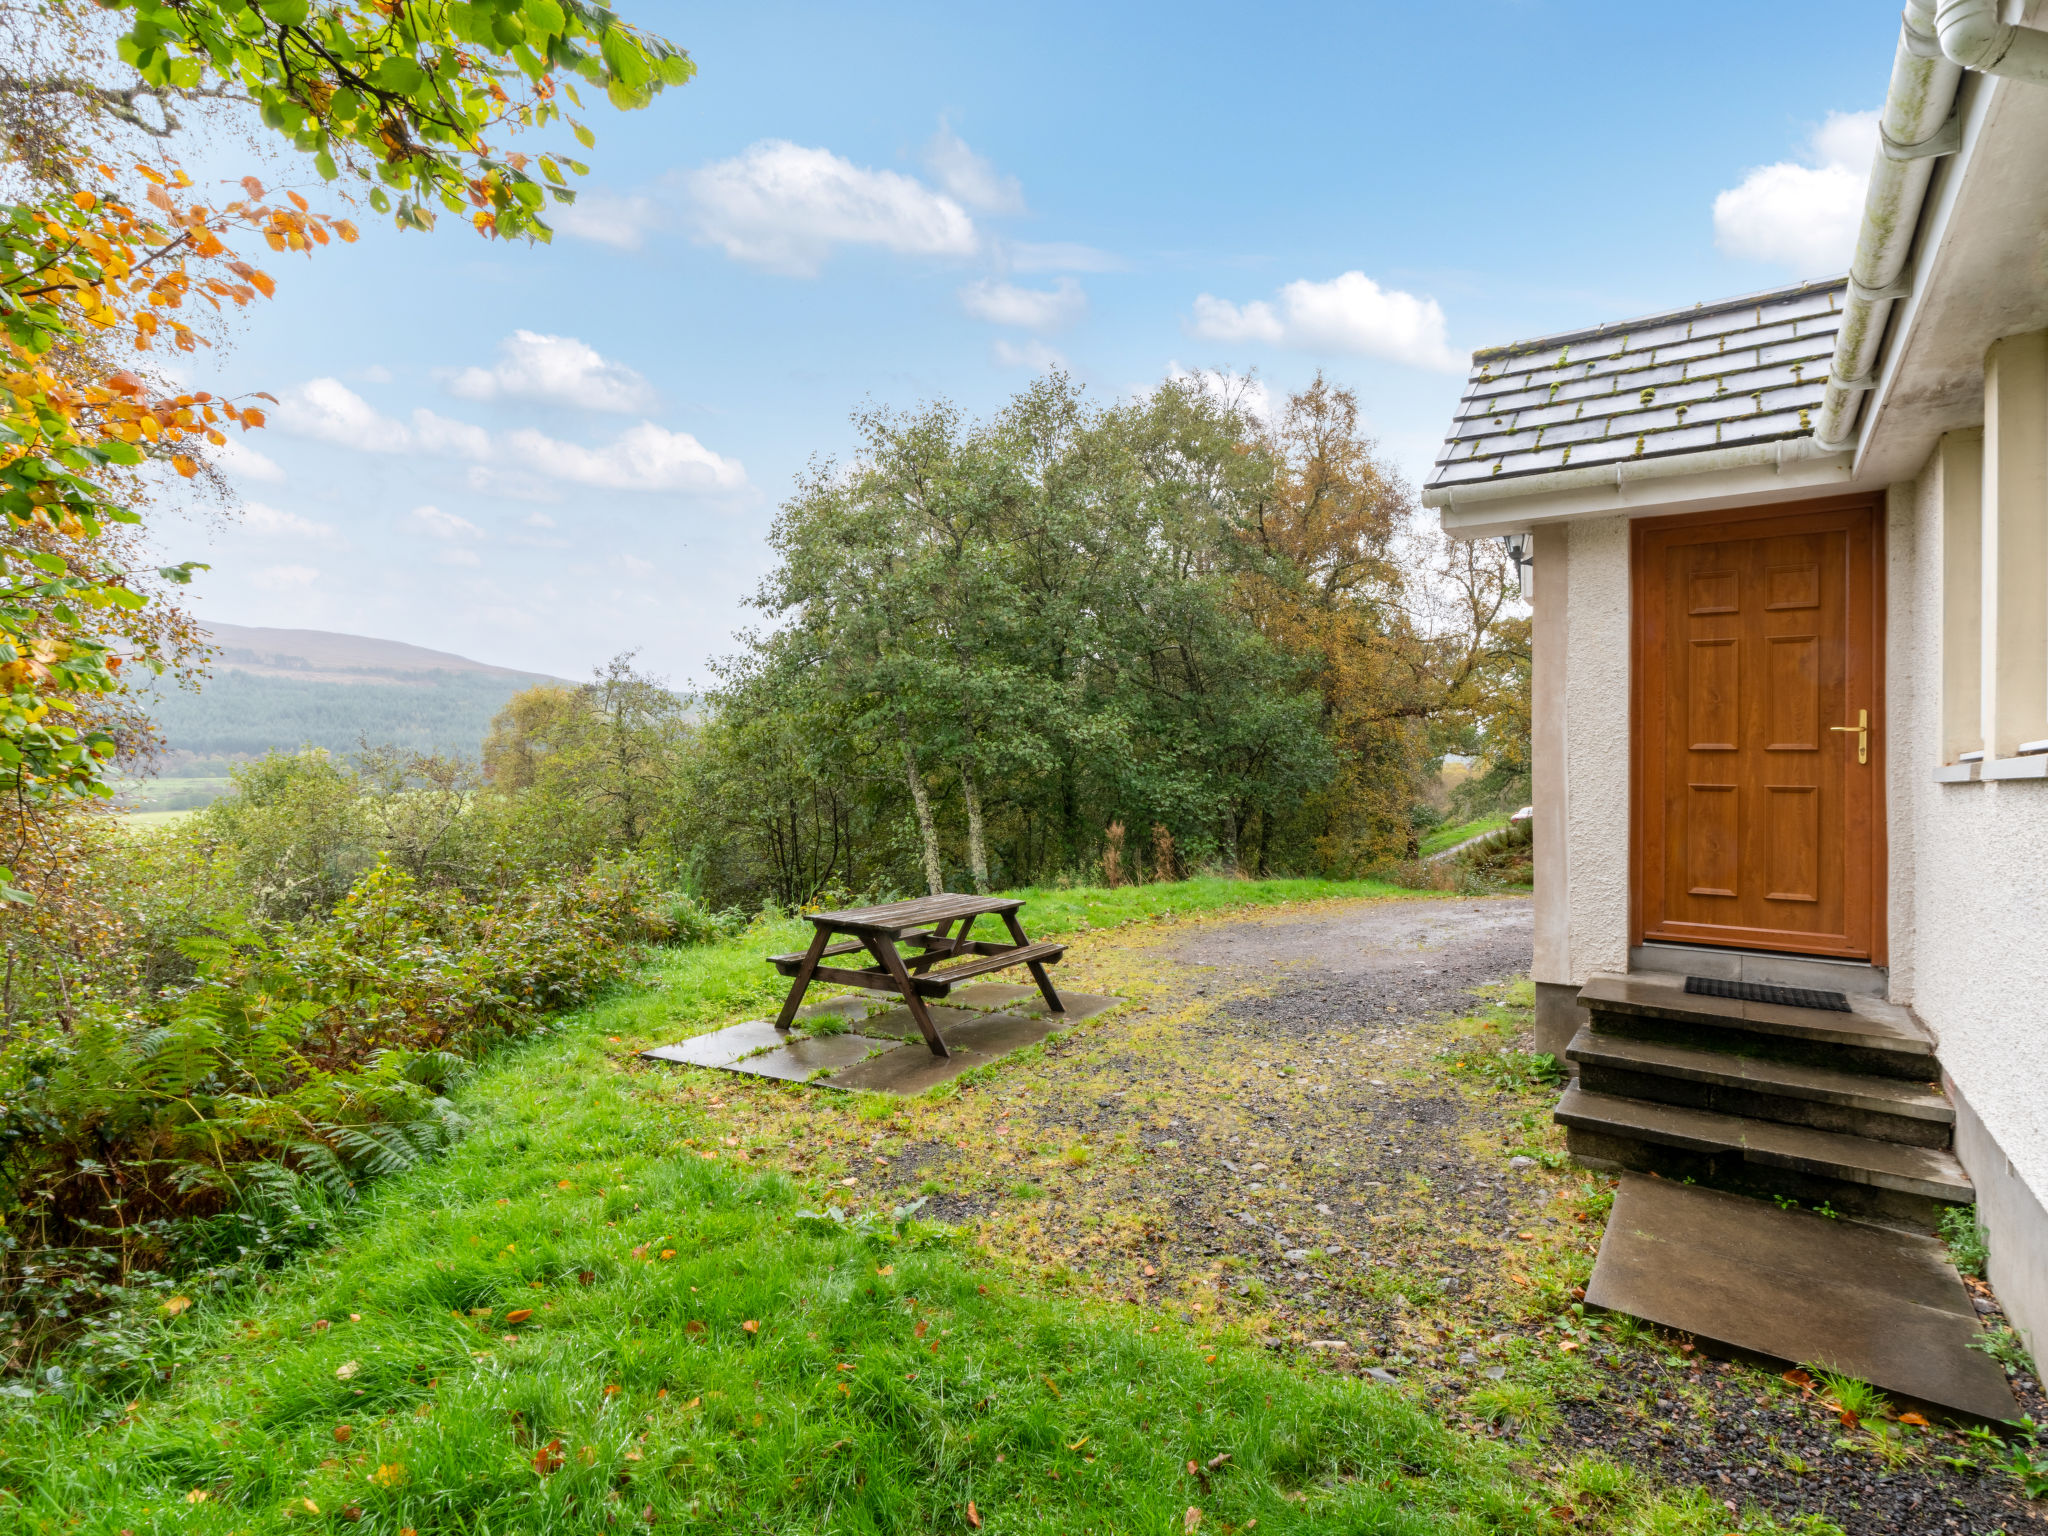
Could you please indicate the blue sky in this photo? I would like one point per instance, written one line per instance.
(540, 456)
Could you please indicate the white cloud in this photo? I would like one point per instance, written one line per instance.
(269, 522)
(330, 411)
(560, 369)
(645, 458)
(376, 373)
(636, 567)
(1036, 309)
(442, 434)
(245, 463)
(286, 578)
(783, 207)
(1061, 256)
(1803, 216)
(459, 557)
(538, 520)
(446, 525)
(516, 464)
(1350, 313)
(1035, 355)
(970, 177)
(608, 218)
(1234, 391)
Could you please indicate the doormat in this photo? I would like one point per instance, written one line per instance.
(1764, 992)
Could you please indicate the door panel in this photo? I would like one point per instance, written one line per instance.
(1754, 823)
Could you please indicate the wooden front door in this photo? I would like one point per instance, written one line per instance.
(1757, 823)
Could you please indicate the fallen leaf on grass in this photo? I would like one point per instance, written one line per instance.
(973, 1515)
(548, 1459)
(919, 1331)
(693, 1326)
(346, 1370)
(176, 1305)
(343, 1433)
(389, 1475)
(1191, 1519)
(1799, 1378)
(197, 1496)
(751, 1326)
(886, 1269)
(1918, 1421)
(519, 1315)
(585, 1276)
(1078, 1443)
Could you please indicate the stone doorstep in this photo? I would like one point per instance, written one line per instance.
(1923, 1171)
(1871, 1023)
(1742, 1275)
(1791, 1080)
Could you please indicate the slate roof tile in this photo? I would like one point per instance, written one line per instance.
(1722, 375)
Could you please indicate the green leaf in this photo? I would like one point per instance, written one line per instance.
(545, 17)
(584, 136)
(186, 73)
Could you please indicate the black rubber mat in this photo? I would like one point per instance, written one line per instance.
(1764, 992)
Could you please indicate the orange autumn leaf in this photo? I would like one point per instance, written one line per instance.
(519, 1315)
(973, 1515)
(751, 1326)
(1918, 1421)
(548, 1459)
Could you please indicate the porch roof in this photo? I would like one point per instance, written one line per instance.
(1740, 371)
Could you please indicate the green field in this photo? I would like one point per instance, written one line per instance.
(1450, 836)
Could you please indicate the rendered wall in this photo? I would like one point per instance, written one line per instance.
(1579, 760)
(1969, 930)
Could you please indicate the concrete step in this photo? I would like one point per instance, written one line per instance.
(1763, 1088)
(1883, 1179)
(1874, 1036)
(1882, 1306)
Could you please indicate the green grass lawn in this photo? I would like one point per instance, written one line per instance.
(588, 1318)
(1449, 837)
(592, 1315)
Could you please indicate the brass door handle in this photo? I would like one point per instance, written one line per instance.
(1862, 730)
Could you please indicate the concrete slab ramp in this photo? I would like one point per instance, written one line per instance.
(1869, 1301)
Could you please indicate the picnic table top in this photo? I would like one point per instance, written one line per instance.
(895, 917)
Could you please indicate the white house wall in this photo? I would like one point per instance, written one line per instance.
(1969, 922)
(1595, 748)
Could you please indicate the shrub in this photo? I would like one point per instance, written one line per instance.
(294, 1064)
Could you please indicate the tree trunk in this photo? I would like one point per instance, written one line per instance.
(977, 850)
(934, 875)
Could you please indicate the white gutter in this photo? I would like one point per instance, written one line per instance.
(1938, 40)
(1622, 473)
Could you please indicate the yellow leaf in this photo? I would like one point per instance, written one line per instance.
(389, 1475)
(176, 1305)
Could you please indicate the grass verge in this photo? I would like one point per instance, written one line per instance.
(584, 1319)
(1450, 837)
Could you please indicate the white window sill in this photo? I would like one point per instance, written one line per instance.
(2033, 766)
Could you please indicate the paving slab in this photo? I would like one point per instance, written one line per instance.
(723, 1047)
(1883, 1306)
(1079, 1005)
(907, 1070)
(801, 1060)
(854, 1006)
(998, 1034)
(992, 995)
(897, 1024)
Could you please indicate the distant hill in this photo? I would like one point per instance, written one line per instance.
(287, 688)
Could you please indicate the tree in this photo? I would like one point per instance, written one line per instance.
(106, 251)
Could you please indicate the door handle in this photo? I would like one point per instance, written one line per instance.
(1862, 730)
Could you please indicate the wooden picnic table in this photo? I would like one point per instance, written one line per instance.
(926, 922)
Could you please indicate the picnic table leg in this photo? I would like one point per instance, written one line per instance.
(885, 951)
(1037, 967)
(802, 984)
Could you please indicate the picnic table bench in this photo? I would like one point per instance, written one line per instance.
(927, 923)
